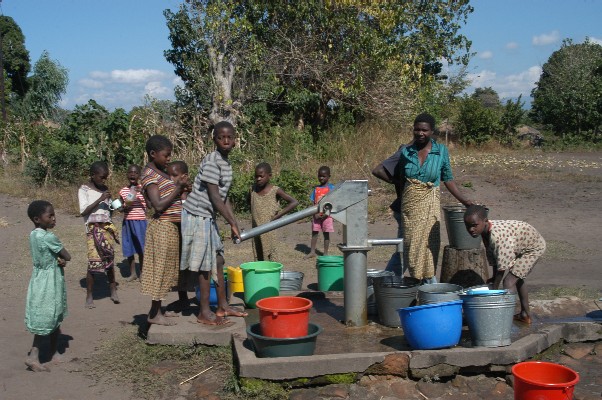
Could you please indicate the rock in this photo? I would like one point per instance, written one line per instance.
(162, 367)
(482, 384)
(335, 391)
(394, 364)
(578, 350)
(440, 370)
(405, 389)
(500, 390)
(431, 390)
(460, 382)
(304, 394)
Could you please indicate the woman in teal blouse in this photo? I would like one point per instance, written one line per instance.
(421, 168)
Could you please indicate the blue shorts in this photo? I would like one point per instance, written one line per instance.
(133, 232)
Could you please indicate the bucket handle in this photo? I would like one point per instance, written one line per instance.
(274, 314)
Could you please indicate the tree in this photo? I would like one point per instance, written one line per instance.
(475, 123)
(15, 55)
(568, 95)
(303, 56)
(47, 85)
(487, 96)
(210, 40)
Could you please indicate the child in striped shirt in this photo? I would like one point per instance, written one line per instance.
(133, 229)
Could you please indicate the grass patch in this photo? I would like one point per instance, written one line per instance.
(125, 358)
(551, 293)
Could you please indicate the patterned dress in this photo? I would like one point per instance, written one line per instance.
(263, 209)
(515, 246)
(421, 206)
(162, 247)
(46, 304)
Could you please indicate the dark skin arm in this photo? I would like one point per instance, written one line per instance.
(223, 207)
(63, 257)
(292, 203)
(161, 204)
(381, 173)
(105, 195)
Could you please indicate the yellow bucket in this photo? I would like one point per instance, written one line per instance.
(235, 282)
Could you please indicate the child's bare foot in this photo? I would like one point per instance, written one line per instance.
(230, 312)
(160, 319)
(171, 314)
(212, 319)
(35, 365)
(309, 255)
(114, 297)
(131, 278)
(90, 302)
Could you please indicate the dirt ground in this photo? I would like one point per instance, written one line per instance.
(557, 193)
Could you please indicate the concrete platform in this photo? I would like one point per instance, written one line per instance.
(340, 349)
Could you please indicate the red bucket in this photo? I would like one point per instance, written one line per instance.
(534, 380)
(284, 316)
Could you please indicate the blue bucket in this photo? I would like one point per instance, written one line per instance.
(212, 293)
(432, 326)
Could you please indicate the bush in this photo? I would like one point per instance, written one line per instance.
(56, 161)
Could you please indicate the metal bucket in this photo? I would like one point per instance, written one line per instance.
(458, 236)
(489, 318)
(291, 280)
(393, 293)
(438, 293)
(374, 273)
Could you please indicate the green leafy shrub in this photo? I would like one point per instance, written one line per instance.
(56, 160)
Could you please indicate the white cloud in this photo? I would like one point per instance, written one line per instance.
(90, 83)
(124, 88)
(595, 40)
(99, 75)
(546, 38)
(508, 86)
(511, 45)
(485, 55)
(156, 89)
(136, 75)
(177, 81)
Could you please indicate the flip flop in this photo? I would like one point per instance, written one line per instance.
(233, 313)
(520, 318)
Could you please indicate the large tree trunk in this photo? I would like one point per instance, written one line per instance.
(222, 107)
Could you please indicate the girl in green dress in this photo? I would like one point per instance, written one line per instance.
(46, 304)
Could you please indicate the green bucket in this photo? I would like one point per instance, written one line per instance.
(261, 279)
(330, 273)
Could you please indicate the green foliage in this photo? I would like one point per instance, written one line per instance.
(55, 160)
(239, 191)
(476, 124)
(296, 184)
(15, 55)
(47, 85)
(568, 95)
(262, 389)
(487, 96)
(513, 115)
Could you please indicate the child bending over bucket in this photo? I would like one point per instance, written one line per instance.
(513, 248)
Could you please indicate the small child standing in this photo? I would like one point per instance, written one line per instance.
(321, 222)
(178, 171)
(162, 252)
(264, 199)
(46, 304)
(94, 201)
(133, 229)
(513, 248)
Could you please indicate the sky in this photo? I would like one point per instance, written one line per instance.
(113, 49)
